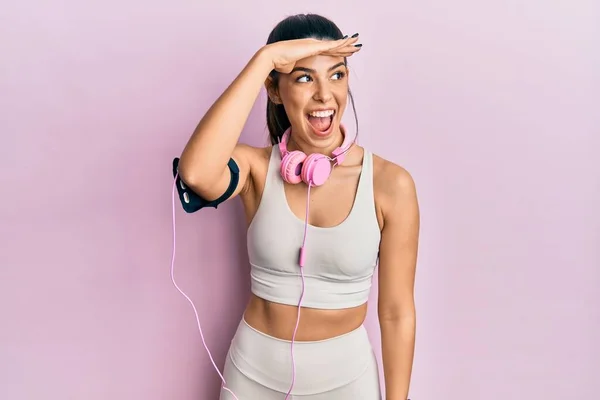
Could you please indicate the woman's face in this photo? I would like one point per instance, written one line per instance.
(314, 96)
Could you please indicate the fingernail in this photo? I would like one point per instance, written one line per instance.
(355, 35)
(345, 37)
(358, 45)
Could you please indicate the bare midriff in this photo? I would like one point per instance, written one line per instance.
(279, 320)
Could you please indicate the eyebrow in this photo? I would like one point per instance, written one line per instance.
(313, 71)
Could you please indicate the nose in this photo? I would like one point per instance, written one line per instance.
(323, 92)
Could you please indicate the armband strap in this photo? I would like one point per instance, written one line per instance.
(193, 202)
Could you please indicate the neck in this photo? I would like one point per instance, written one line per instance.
(308, 148)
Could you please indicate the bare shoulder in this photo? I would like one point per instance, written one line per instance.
(394, 188)
(391, 178)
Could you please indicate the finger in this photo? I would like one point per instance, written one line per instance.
(349, 41)
(344, 46)
(314, 47)
(343, 52)
(342, 55)
(328, 45)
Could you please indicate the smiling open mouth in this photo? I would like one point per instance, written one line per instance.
(321, 121)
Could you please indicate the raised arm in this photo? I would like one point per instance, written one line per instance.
(203, 162)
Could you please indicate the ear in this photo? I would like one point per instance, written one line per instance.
(272, 91)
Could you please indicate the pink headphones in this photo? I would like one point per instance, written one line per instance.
(313, 169)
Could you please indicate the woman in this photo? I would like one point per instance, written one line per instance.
(302, 334)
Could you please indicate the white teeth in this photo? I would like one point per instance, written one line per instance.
(322, 114)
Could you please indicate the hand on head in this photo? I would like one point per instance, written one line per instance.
(286, 53)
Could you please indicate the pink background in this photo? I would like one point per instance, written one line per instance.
(493, 106)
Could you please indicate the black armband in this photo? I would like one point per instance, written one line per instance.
(193, 202)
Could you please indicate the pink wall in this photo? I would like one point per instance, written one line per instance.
(493, 106)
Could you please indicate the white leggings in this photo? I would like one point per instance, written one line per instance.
(259, 367)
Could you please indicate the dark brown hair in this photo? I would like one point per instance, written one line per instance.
(300, 26)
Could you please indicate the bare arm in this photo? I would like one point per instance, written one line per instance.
(203, 162)
(397, 265)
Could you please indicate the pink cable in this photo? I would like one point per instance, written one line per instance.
(301, 262)
(191, 302)
(305, 225)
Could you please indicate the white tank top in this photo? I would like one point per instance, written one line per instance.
(340, 260)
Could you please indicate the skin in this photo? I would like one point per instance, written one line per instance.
(314, 82)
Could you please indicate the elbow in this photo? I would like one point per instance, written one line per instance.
(404, 315)
(186, 174)
(404, 325)
(201, 186)
(195, 176)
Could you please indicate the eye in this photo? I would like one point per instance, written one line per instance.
(306, 78)
(303, 78)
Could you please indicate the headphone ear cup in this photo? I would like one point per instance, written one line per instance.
(291, 167)
(316, 169)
